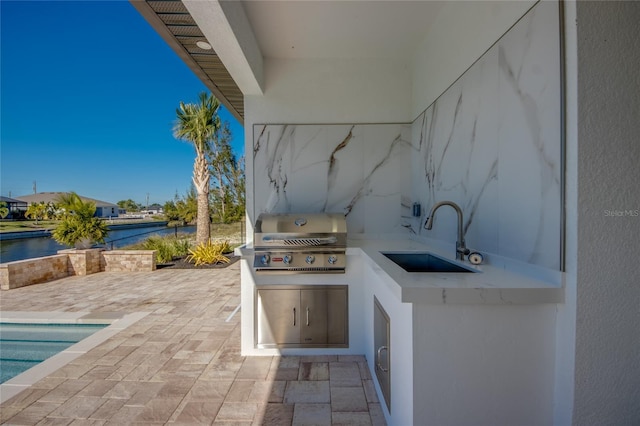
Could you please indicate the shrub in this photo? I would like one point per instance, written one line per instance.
(224, 246)
(208, 253)
(181, 247)
(167, 248)
(79, 227)
(73, 230)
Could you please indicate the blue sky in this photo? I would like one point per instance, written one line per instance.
(89, 93)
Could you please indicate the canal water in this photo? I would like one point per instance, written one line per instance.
(27, 248)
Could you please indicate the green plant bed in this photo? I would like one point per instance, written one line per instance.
(167, 247)
(182, 263)
(171, 250)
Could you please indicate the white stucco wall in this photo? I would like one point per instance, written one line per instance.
(607, 361)
(312, 91)
(483, 364)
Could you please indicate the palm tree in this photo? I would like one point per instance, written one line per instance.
(197, 124)
(79, 227)
(36, 211)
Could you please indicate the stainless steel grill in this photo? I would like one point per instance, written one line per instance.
(300, 243)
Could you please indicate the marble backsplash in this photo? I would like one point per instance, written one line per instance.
(491, 143)
(359, 170)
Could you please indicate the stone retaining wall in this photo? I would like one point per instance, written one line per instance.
(74, 262)
(128, 260)
(33, 271)
(83, 262)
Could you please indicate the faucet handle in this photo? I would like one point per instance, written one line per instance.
(463, 250)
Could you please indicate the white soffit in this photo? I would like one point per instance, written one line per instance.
(359, 29)
(227, 29)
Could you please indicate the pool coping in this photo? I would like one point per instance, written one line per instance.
(117, 321)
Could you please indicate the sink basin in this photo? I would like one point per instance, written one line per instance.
(423, 262)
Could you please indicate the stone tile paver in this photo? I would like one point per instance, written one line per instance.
(199, 412)
(349, 399)
(181, 363)
(370, 391)
(314, 371)
(344, 374)
(350, 419)
(376, 414)
(277, 415)
(312, 414)
(307, 392)
(237, 412)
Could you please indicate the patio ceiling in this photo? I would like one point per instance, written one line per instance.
(355, 29)
(245, 33)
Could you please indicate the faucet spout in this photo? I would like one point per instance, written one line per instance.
(461, 249)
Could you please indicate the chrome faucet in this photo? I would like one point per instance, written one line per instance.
(461, 249)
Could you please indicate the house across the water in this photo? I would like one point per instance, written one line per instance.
(103, 208)
(14, 206)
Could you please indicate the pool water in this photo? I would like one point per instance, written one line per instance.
(24, 345)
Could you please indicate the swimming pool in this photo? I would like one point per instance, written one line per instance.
(23, 346)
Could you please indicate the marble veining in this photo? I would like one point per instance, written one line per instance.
(492, 144)
(335, 168)
(530, 133)
(457, 156)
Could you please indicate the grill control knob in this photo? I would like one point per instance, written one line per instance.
(286, 259)
(265, 259)
(332, 260)
(310, 259)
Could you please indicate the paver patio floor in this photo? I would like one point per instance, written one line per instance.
(181, 363)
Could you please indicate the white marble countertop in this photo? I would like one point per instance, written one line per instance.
(489, 285)
(493, 283)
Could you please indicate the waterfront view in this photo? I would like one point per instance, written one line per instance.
(153, 176)
(27, 248)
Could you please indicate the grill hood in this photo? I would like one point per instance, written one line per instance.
(302, 223)
(301, 230)
(300, 243)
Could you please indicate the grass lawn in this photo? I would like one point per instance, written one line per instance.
(27, 225)
(30, 225)
(228, 231)
(232, 232)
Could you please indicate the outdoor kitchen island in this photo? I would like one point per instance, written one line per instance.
(476, 344)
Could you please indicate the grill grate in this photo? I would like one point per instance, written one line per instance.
(308, 241)
(299, 241)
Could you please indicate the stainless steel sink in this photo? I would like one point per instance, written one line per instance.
(424, 262)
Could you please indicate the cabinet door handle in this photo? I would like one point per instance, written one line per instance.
(378, 356)
(307, 316)
(294, 317)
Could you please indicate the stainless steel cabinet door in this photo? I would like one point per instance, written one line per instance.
(314, 317)
(382, 350)
(290, 316)
(278, 317)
